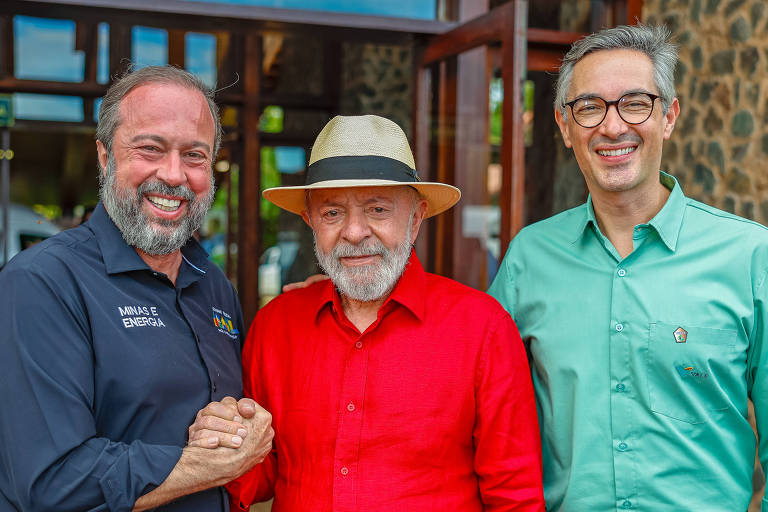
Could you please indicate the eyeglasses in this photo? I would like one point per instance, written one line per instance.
(633, 108)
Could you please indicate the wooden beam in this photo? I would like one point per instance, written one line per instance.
(244, 18)
(485, 29)
(446, 161)
(248, 227)
(176, 48)
(421, 84)
(119, 49)
(6, 46)
(88, 90)
(513, 49)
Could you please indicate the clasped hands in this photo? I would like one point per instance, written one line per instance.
(242, 424)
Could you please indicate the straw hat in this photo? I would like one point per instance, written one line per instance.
(362, 151)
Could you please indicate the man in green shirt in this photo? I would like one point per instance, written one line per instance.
(644, 311)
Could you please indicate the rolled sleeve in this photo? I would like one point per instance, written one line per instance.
(53, 457)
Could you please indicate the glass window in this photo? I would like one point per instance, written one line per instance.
(48, 107)
(45, 50)
(420, 9)
(149, 46)
(102, 57)
(200, 56)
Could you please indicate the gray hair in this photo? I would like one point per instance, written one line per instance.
(651, 40)
(109, 112)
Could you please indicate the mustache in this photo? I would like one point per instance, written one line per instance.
(624, 137)
(160, 188)
(348, 250)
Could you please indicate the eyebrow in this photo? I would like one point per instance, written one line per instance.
(595, 95)
(163, 140)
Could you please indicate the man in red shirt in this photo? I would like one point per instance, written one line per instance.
(389, 388)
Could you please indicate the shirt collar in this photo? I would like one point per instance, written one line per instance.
(667, 222)
(408, 292)
(121, 257)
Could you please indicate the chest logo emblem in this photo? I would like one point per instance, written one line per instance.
(223, 322)
(680, 335)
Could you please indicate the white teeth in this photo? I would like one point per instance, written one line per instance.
(616, 152)
(168, 205)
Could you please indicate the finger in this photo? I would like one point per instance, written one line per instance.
(247, 407)
(220, 410)
(216, 424)
(213, 439)
(303, 284)
(209, 442)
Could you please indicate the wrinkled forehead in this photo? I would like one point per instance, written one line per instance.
(358, 195)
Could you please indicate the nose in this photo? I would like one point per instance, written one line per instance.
(171, 170)
(613, 125)
(356, 227)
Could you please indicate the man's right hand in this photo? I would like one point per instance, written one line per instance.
(227, 423)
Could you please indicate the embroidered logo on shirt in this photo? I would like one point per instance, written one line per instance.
(139, 316)
(223, 322)
(686, 371)
(680, 335)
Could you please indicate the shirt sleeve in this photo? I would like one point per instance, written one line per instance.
(506, 433)
(757, 372)
(258, 484)
(52, 456)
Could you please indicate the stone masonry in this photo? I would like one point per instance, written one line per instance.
(719, 148)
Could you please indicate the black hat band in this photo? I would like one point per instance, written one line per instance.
(369, 167)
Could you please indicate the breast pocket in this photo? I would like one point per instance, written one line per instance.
(685, 364)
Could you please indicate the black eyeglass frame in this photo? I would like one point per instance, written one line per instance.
(615, 103)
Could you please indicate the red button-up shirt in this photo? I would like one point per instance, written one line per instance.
(431, 408)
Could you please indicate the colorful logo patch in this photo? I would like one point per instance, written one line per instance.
(680, 335)
(688, 371)
(223, 322)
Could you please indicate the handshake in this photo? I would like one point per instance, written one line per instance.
(242, 424)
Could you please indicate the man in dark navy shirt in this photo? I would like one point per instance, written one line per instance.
(116, 333)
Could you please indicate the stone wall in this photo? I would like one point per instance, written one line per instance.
(376, 79)
(719, 147)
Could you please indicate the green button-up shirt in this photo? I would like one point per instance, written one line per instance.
(643, 365)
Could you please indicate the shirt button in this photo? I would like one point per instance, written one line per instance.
(626, 504)
(344, 471)
(359, 344)
(214, 386)
(620, 388)
(623, 447)
(622, 272)
(619, 327)
(351, 407)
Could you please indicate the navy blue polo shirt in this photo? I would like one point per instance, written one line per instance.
(103, 365)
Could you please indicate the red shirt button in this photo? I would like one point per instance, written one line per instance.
(344, 471)
(359, 344)
(351, 407)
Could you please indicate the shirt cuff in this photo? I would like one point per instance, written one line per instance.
(138, 471)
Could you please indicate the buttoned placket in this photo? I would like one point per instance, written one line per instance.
(350, 409)
(622, 390)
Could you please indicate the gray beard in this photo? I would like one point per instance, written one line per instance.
(137, 229)
(368, 282)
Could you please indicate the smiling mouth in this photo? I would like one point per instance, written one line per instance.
(616, 152)
(167, 205)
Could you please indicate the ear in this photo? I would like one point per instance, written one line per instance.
(671, 117)
(418, 217)
(562, 123)
(307, 220)
(103, 156)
